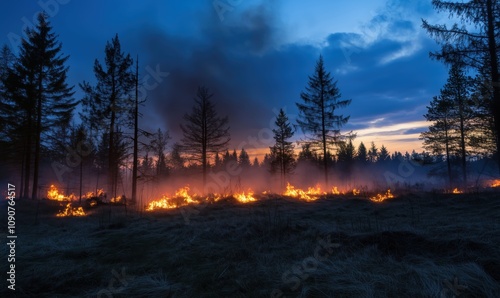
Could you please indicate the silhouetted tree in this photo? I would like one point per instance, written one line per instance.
(158, 145)
(383, 155)
(282, 153)
(176, 161)
(244, 159)
(205, 133)
(475, 43)
(373, 153)
(106, 105)
(346, 156)
(317, 113)
(362, 154)
(40, 81)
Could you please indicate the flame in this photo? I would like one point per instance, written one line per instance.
(91, 194)
(71, 211)
(53, 194)
(457, 191)
(355, 191)
(311, 194)
(335, 191)
(245, 197)
(382, 197)
(117, 200)
(495, 183)
(181, 198)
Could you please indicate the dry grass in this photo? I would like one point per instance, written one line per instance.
(411, 246)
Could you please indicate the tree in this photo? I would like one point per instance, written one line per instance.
(158, 145)
(317, 113)
(478, 49)
(41, 82)
(176, 161)
(383, 155)
(255, 163)
(455, 116)
(440, 138)
(306, 154)
(346, 157)
(205, 133)
(244, 159)
(105, 105)
(362, 155)
(282, 153)
(373, 153)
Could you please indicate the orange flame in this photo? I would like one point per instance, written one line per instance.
(311, 194)
(335, 191)
(382, 197)
(495, 183)
(71, 211)
(54, 194)
(181, 198)
(457, 191)
(355, 191)
(245, 197)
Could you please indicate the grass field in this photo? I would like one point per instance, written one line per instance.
(415, 245)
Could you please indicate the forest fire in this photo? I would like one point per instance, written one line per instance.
(495, 183)
(382, 197)
(311, 194)
(71, 211)
(457, 191)
(181, 198)
(54, 194)
(245, 197)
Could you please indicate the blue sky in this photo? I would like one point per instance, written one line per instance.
(256, 57)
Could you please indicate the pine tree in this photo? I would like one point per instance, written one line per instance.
(362, 154)
(40, 77)
(205, 133)
(176, 161)
(383, 155)
(106, 105)
(346, 157)
(244, 159)
(373, 153)
(282, 153)
(477, 49)
(317, 113)
(158, 145)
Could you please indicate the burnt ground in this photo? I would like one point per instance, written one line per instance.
(415, 245)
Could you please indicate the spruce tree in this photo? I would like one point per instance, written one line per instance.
(106, 105)
(43, 94)
(282, 153)
(205, 133)
(318, 116)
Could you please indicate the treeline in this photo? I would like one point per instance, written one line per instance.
(40, 142)
(466, 114)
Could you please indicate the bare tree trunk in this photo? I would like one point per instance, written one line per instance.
(492, 49)
(38, 133)
(136, 133)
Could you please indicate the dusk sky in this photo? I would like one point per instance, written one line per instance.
(256, 57)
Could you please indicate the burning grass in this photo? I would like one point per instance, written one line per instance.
(410, 246)
(71, 211)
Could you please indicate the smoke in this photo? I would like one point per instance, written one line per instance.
(225, 58)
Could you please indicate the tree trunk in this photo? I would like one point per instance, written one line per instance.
(492, 49)
(34, 194)
(136, 133)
